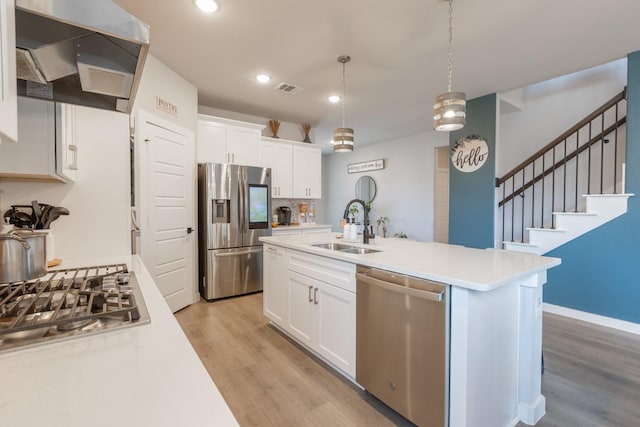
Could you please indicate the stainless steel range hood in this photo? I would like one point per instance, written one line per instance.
(80, 52)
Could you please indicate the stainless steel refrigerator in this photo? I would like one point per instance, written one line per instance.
(234, 210)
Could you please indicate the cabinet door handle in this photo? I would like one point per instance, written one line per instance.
(310, 299)
(74, 150)
(233, 157)
(315, 296)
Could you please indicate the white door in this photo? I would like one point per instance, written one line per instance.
(166, 195)
(441, 195)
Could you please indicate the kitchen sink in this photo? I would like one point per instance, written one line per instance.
(333, 246)
(359, 251)
(345, 248)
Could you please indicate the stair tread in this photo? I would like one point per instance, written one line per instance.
(551, 230)
(609, 195)
(576, 213)
(520, 243)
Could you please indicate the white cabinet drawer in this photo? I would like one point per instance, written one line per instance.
(337, 273)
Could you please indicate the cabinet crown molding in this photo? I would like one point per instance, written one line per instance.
(230, 122)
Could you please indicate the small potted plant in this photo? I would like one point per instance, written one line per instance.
(306, 128)
(353, 212)
(383, 221)
(274, 125)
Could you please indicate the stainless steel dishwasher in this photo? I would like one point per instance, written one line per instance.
(402, 343)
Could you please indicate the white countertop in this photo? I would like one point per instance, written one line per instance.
(147, 375)
(476, 269)
(300, 226)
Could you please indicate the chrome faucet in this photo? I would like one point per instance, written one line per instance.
(365, 233)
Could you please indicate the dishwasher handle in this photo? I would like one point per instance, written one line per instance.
(418, 293)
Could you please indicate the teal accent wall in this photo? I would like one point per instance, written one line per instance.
(599, 272)
(471, 195)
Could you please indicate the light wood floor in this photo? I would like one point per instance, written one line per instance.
(592, 375)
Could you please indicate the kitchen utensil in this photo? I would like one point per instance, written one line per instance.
(22, 255)
(46, 209)
(21, 220)
(37, 213)
(54, 213)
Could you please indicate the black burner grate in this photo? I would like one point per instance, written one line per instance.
(65, 298)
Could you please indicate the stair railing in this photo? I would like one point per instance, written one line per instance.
(583, 160)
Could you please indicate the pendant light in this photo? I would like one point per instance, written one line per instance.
(343, 136)
(449, 109)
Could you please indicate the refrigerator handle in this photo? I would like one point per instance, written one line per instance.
(242, 196)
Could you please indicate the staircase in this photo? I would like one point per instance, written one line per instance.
(600, 209)
(571, 186)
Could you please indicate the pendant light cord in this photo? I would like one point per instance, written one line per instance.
(450, 69)
(344, 91)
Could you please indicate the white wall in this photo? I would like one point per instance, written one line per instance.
(159, 81)
(98, 224)
(404, 187)
(552, 107)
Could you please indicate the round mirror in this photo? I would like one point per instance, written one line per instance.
(366, 189)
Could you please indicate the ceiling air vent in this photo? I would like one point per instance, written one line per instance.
(288, 88)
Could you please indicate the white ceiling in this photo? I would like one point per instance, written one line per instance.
(398, 51)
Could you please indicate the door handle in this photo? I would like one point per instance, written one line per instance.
(74, 150)
(310, 299)
(315, 296)
(189, 230)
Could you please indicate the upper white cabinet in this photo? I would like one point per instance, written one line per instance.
(296, 168)
(48, 148)
(278, 157)
(67, 142)
(307, 172)
(8, 89)
(227, 141)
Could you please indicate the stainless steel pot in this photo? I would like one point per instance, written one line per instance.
(22, 255)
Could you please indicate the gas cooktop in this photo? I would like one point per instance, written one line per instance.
(69, 303)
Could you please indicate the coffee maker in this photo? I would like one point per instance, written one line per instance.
(284, 215)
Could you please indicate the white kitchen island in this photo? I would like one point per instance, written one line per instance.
(145, 376)
(495, 315)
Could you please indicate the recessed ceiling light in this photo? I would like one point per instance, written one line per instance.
(333, 98)
(263, 78)
(208, 6)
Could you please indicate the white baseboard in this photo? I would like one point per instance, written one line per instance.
(609, 322)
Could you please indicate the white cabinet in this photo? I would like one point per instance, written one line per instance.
(296, 168)
(278, 157)
(307, 172)
(313, 299)
(227, 141)
(323, 317)
(276, 301)
(8, 88)
(67, 141)
(322, 307)
(48, 146)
